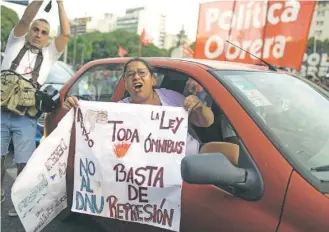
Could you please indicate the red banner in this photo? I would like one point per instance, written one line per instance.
(145, 38)
(276, 31)
(121, 51)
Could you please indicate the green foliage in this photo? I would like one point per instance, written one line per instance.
(322, 46)
(97, 45)
(9, 19)
(153, 51)
(192, 45)
(83, 45)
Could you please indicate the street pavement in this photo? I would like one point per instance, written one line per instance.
(13, 224)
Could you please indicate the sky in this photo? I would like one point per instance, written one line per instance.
(179, 12)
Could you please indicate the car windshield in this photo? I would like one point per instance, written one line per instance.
(295, 112)
(59, 74)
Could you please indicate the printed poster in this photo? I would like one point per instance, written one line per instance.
(127, 162)
(39, 192)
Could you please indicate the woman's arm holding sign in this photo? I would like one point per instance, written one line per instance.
(201, 115)
(71, 102)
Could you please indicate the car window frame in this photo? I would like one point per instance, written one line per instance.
(248, 161)
(321, 186)
(120, 65)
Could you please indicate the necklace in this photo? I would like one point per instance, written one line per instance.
(29, 68)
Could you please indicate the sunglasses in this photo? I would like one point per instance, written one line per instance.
(140, 72)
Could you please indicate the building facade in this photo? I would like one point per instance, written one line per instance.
(320, 22)
(78, 26)
(148, 18)
(106, 23)
(171, 41)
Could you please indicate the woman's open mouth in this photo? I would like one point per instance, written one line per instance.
(137, 86)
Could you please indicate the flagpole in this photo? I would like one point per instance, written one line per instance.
(140, 43)
(140, 49)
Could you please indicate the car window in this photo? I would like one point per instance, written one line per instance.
(192, 87)
(221, 130)
(60, 73)
(98, 83)
(294, 112)
(159, 78)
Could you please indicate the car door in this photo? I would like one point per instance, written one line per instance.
(217, 208)
(221, 208)
(305, 208)
(292, 112)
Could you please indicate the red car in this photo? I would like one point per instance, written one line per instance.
(280, 180)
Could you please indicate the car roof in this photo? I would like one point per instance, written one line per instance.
(60, 73)
(225, 65)
(206, 64)
(66, 67)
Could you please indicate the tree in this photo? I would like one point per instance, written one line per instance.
(170, 50)
(192, 45)
(153, 51)
(9, 19)
(97, 45)
(322, 46)
(84, 49)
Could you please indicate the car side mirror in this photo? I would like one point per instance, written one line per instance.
(216, 169)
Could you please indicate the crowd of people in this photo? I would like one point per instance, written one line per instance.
(324, 82)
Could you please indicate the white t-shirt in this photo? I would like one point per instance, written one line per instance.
(15, 44)
(171, 98)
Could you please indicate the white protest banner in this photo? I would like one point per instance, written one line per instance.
(127, 162)
(39, 192)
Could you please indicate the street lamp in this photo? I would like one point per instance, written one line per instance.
(74, 44)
